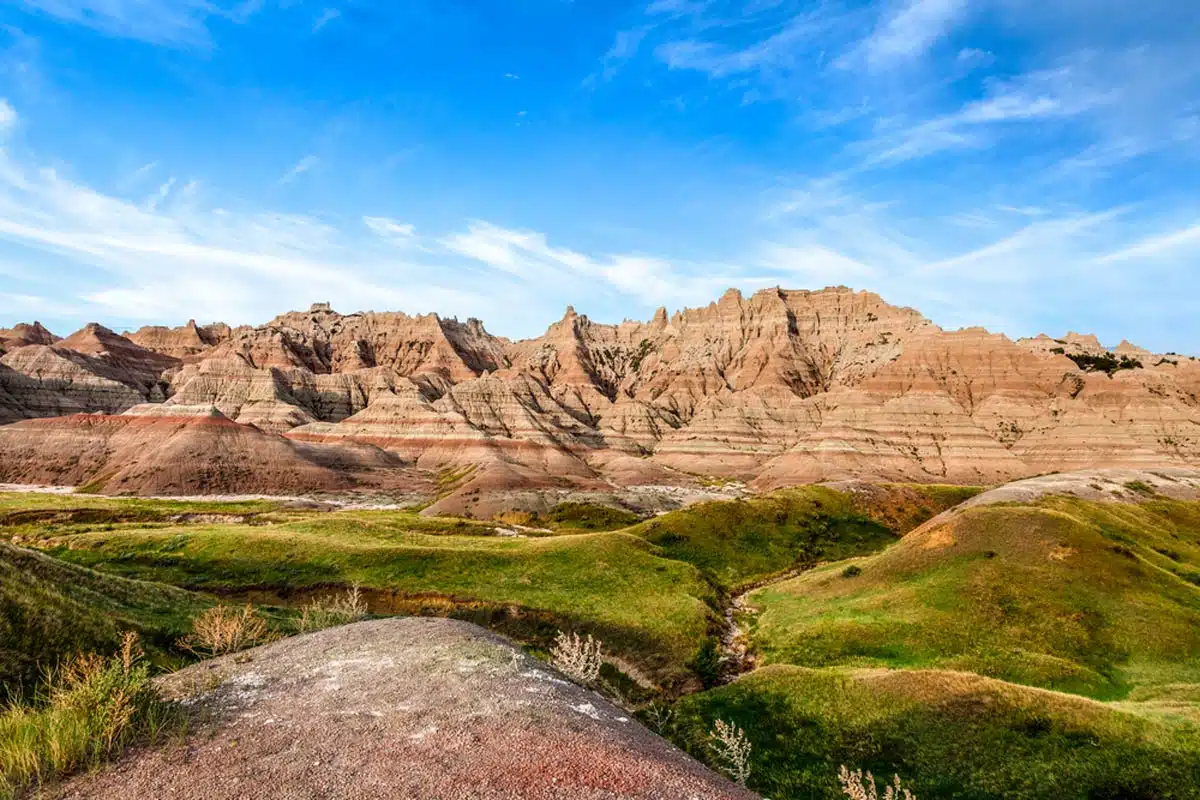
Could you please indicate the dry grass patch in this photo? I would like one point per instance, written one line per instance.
(221, 630)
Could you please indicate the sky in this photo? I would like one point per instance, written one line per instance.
(1026, 165)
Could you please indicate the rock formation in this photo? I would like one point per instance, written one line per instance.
(400, 708)
(156, 449)
(780, 387)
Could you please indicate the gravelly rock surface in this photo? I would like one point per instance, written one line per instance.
(399, 708)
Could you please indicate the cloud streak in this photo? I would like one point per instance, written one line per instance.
(299, 168)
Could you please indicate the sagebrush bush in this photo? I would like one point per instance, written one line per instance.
(89, 709)
(732, 749)
(330, 612)
(221, 630)
(857, 786)
(578, 658)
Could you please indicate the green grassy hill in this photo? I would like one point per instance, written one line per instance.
(1088, 597)
(49, 609)
(739, 542)
(948, 734)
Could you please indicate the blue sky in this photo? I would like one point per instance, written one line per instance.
(1028, 165)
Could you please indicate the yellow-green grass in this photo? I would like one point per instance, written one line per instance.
(128, 506)
(587, 517)
(50, 610)
(89, 710)
(948, 734)
(740, 542)
(1087, 597)
(650, 610)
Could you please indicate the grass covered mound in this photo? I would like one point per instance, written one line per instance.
(588, 517)
(948, 734)
(50, 610)
(652, 611)
(739, 542)
(1094, 598)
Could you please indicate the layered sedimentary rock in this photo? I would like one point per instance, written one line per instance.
(22, 335)
(179, 450)
(186, 343)
(779, 387)
(93, 369)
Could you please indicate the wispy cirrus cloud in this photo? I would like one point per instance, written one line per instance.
(905, 32)
(1158, 246)
(327, 16)
(176, 23)
(624, 47)
(299, 168)
(8, 115)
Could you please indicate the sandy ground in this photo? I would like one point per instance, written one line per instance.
(399, 708)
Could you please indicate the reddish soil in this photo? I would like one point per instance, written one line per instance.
(399, 708)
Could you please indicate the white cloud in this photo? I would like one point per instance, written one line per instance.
(390, 229)
(141, 172)
(1157, 246)
(1057, 93)
(149, 262)
(624, 47)
(8, 115)
(974, 57)
(782, 51)
(177, 23)
(156, 199)
(817, 266)
(327, 16)
(651, 281)
(302, 166)
(677, 7)
(1042, 240)
(908, 31)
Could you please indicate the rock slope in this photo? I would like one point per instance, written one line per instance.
(778, 388)
(155, 449)
(400, 708)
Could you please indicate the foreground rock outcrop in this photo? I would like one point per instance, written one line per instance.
(779, 388)
(412, 708)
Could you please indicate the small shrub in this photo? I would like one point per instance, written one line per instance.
(1108, 363)
(1141, 487)
(852, 571)
(578, 658)
(857, 786)
(221, 630)
(658, 716)
(91, 709)
(732, 749)
(331, 612)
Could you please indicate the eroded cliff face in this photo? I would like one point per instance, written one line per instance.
(780, 387)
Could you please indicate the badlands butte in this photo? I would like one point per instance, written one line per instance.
(779, 388)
